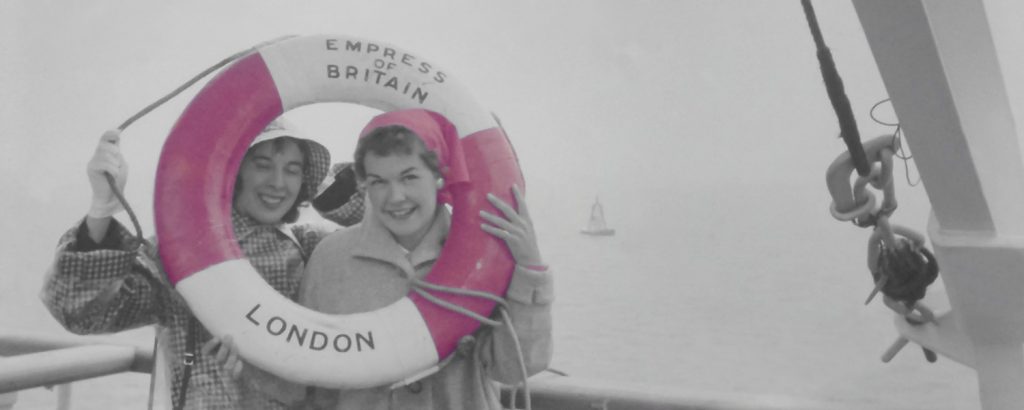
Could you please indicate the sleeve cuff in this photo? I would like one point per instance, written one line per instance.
(338, 192)
(531, 286)
(349, 213)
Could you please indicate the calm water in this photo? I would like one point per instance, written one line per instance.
(730, 301)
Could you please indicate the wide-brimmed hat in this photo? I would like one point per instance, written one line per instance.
(319, 161)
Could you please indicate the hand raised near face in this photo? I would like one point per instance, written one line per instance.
(515, 228)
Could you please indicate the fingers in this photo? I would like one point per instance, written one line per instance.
(108, 157)
(498, 221)
(208, 347)
(515, 229)
(233, 365)
(514, 224)
(502, 206)
(224, 351)
(508, 210)
(498, 232)
(520, 202)
(105, 164)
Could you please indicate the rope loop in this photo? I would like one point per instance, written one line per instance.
(861, 211)
(420, 287)
(855, 202)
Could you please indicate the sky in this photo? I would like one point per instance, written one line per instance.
(644, 103)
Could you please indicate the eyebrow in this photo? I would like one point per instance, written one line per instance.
(405, 171)
(269, 158)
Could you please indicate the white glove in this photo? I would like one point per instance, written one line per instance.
(106, 159)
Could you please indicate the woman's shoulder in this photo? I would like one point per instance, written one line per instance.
(337, 242)
(344, 235)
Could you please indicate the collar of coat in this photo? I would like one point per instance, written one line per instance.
(376, 242)
(246, 226)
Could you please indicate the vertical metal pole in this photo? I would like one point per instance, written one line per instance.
(939, 64)
(7, 400)
(64, 396)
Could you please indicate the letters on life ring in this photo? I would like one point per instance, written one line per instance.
(195, 180)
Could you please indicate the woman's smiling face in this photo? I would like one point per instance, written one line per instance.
(270, 179)
(403, 193)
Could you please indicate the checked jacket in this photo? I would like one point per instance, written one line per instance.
(109, 287)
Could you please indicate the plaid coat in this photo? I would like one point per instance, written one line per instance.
(108, 287)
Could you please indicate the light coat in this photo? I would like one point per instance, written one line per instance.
(363, 268)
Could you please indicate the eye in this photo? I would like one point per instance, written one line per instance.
(293, 169)
(262, 164)
(410, 177)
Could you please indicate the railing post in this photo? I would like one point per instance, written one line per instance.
(7, 400)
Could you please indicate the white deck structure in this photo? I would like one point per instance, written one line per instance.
(939, 63)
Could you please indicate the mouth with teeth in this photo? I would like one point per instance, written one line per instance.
(271, 201)
(400, 213)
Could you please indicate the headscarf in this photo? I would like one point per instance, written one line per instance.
(438, 135)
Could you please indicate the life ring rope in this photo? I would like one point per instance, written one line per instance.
(401, 339)
(417, 285)
(142, 242)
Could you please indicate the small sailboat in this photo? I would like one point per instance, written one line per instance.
(596, 226)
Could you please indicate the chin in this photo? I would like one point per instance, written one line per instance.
(399, 229)
(268, 218)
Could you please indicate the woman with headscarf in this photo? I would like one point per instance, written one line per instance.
(404, 163)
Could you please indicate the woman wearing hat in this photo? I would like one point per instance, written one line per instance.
(403, 161)
(100, 284)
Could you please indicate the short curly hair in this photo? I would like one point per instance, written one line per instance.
(393, 139)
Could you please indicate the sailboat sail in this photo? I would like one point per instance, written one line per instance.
(596, 225)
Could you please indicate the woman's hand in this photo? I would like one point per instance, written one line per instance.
(516, 229)
(106, 160)
(226, 355)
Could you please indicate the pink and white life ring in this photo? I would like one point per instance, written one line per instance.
(195, 180)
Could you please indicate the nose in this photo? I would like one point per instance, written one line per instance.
(277, 179)
(396, 193)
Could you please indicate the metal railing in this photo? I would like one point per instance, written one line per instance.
(36, 359)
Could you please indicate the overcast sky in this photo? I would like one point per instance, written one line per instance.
(638, 101)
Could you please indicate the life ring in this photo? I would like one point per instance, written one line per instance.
(194, 184)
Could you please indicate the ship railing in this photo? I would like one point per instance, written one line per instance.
(30, 359)
(35, 359)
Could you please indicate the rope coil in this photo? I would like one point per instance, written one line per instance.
(419, 285)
